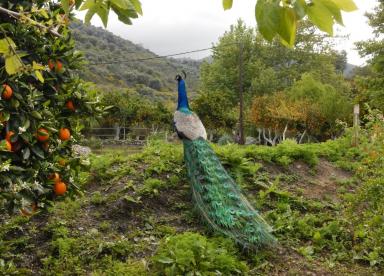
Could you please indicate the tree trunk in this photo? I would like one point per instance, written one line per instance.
(259, 136)
(241, 115)
(285, 130)
(302, 136)
(268, 140)
(275, 138)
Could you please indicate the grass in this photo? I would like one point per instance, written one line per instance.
(137, 207)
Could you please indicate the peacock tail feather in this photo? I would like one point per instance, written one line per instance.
(219, 200)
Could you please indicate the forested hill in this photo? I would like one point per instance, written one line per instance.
(153, 77)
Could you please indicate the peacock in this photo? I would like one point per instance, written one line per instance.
(217, 198)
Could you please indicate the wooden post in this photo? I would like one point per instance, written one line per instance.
(241, 98)
(356, 125)
(117, 132)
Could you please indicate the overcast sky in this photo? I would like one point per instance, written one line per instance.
(171, 26)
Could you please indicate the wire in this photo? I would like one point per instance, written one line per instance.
(158, 57)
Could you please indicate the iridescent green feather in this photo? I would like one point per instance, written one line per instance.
(219, 200)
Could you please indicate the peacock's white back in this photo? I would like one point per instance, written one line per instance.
(189, 125)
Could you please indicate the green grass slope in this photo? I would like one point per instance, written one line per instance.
(136, 217)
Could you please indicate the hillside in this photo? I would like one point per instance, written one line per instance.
(153, 78)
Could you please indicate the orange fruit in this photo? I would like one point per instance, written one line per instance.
(55, 65)
(9, 145)
(51, 64)
(62, 162)
(60, 188)
(55, 177)
(6, 144)
(7, 92)
(64, 134)
(69, 105)
(59, 66)
(9, 135)
(42, 135)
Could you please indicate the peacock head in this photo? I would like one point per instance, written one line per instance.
(179, 77)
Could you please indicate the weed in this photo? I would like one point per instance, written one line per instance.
(66, 210)
(97, 198)
(151, 186)
(113, 267)
(165, 230)
(104, 226)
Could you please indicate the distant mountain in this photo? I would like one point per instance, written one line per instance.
(130, 65)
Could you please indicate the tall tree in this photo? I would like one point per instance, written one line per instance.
(371, 86)
(269, 67)
(222, 74)
(216, 111)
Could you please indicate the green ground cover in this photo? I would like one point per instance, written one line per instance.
(136, 217)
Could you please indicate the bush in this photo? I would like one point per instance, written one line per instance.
(194, 254)
(283, 154)
(289, 149)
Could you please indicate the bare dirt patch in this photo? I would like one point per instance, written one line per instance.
(321, 182)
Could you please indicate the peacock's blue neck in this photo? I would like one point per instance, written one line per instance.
(182, 101)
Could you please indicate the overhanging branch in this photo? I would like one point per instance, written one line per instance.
(37, 24)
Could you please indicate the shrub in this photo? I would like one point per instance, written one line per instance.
(193, 254)
(289, 149)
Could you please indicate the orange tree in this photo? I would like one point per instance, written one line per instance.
(279, 113)
(309, 105)
(42, 102)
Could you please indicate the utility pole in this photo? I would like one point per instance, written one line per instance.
(241, 98)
